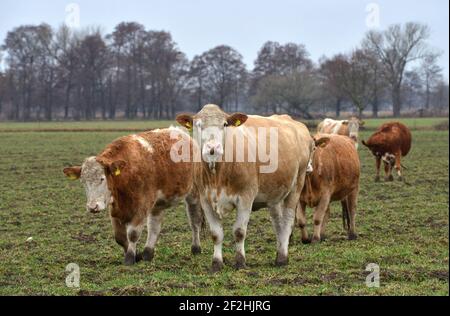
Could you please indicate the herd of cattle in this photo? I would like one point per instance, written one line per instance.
(137, 177)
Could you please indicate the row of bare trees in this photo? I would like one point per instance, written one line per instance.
(138, 73)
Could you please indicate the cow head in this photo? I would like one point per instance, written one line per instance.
(209, 126)
(319, 142)
(353, 128)
(94, 174)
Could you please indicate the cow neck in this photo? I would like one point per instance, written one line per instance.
(212, 175)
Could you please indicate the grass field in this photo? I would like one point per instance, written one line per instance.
(403, 227)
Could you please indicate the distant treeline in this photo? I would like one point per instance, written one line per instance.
(139, 73)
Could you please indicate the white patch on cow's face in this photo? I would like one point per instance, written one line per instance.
(211, 139)
(143, 142)
(95, 184)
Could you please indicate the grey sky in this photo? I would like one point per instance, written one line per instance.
(326, 27)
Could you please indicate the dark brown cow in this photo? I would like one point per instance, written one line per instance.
(335, 177)
(138, 178)
(388, 144)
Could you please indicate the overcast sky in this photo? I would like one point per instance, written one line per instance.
(326, 27)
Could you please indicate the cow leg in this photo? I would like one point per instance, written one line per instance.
(195, 218)
(319, 214)
(240, 232)
(398, 166)
(282, 220)
(154, 222)
(324, 224)
(120, 233)
(215, 226)
(352, 201)
(388, 172)
(134, 231)
(378, 165)
(301, 221)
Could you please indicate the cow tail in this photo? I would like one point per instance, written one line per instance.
(345, 217)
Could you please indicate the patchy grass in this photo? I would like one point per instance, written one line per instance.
(403, 228)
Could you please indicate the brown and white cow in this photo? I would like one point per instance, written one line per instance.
(335, 177)
(348, 128)
(136, 176)
(246, 178)
(389, 143)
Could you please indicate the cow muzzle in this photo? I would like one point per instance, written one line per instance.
(211, 151)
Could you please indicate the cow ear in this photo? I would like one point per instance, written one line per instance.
(116, 167)
(185, 120)
(322, 142)
(236, 119)
(345, 122)
(73, 173)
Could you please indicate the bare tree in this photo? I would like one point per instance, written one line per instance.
(431, 75)
(396, 48)
(222, 71)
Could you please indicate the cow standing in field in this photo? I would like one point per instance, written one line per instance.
(335, 177)
(348, 128)
(389, 143)
(250, 182)
(136, 176)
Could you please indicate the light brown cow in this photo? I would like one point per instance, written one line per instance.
(136, 176)
(348, 128)
(389, 143)
(335, 177)
(225, 181)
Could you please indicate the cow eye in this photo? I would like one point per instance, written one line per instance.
(102, 179)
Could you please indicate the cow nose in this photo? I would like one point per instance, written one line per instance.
(211, 151)
(93, 209)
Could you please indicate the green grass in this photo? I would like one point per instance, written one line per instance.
(402, 227)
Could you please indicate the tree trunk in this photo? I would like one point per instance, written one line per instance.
(396, 101)
(338, 107)
(375, 106)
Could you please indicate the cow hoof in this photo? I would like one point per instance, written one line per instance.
(323, 237)
(306, 241)
(240, 262)
(281, 260)
(196, 250)
(216, 266)
(377, 179)
(315, 240)
(148, 254)
(352, 236)
(388, 179)
(400, 179)
(130, 259)
(139, 257)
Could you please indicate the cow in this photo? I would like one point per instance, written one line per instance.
(248, 184)
(389, 143)
(137, 178)
(348, 128)
(334, 177)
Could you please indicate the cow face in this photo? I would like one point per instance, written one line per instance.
(209, 126)
(353, 128)
(92, 175)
